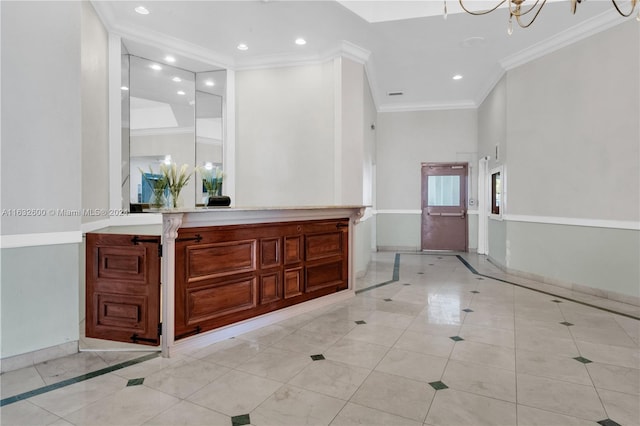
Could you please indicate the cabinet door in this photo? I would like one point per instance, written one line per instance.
(123, 288)
(326, 255)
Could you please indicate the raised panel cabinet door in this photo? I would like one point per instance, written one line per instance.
(123, 288)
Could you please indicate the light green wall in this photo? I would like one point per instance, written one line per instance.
(601, 258)
(573, 153)
(497, 234)
(39, 298)
(60, 160)
(398, 231)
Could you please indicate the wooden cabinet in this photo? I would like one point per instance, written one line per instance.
(226, 274)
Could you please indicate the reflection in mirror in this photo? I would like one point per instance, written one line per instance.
(209, 128)
(162, 125)
(124, 111)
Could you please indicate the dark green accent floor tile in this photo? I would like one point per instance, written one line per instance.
(242, 419)
(406, 284)
(582, 360)
(468, 310)
(480, 279)
(557, 301)
(135, 382)
(608, 422)
(439, 257)
(456, 338)
(387, 300)
(318, 357)
(566, 323)
(420, 273)
(475, 291)
(438, 385)
(431, 264)
(360, 322)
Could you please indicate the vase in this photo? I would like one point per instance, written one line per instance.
(174, 200)
(157, 199)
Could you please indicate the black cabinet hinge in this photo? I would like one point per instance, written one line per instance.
(159, 329)
(159, 250)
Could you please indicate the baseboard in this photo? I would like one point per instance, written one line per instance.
(29, 359)
(580, 288)
(399, 248)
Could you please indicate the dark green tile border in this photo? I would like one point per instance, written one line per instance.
(82, 378)
(472, 269)
(396, 277)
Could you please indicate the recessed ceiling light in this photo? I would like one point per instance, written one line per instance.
(457, 77)
(177, 79)
(142, 10)
(170, 59)
(124, 88)
(181, 92)
(300, 41)
(155, 67)
(209, 83)
(243, 46)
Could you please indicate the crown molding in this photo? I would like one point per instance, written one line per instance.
(494, 78)
(427, 107)
(345, 50)
(159, 40)
(571, 35)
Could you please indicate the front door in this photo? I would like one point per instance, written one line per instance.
(123, 288)
(444, 207)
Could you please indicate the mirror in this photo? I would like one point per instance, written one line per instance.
(169, 115)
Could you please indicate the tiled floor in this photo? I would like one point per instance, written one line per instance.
(437, 345)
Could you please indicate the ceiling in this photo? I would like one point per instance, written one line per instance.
(407, 46)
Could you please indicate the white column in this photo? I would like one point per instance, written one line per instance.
(170, 224)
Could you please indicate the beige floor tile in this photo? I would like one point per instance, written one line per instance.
(551, 366)
(355, 352)
(331, 378)
(25, 413)
(424, 343)
(488, 335)
(186, 413)
(622, 408)
(396, 395)
(132, 405)
(412, 365)
(376, 334)
(456, 408)
(184, 379)
(276, 364)
(72, 398)
(19, 381)
(529, 416)
(481, 353)
(68, 367)
(607, 354)
(481, 380)
(293, 406)
(615, 378)
(356, 415)
(560, 397)
(235, 393)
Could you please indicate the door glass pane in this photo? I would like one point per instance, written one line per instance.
(443, 191)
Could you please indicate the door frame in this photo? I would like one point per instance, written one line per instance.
(464, 197)
(483, 203)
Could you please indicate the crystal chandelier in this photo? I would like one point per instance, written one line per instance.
(526, 14)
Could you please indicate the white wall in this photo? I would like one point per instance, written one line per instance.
(41, 154)
(570, 126)
(285, 136)
(404, 141)
(95, 113)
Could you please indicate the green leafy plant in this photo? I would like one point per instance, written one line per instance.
(176, 179)
(158, 186)
(212, 180)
